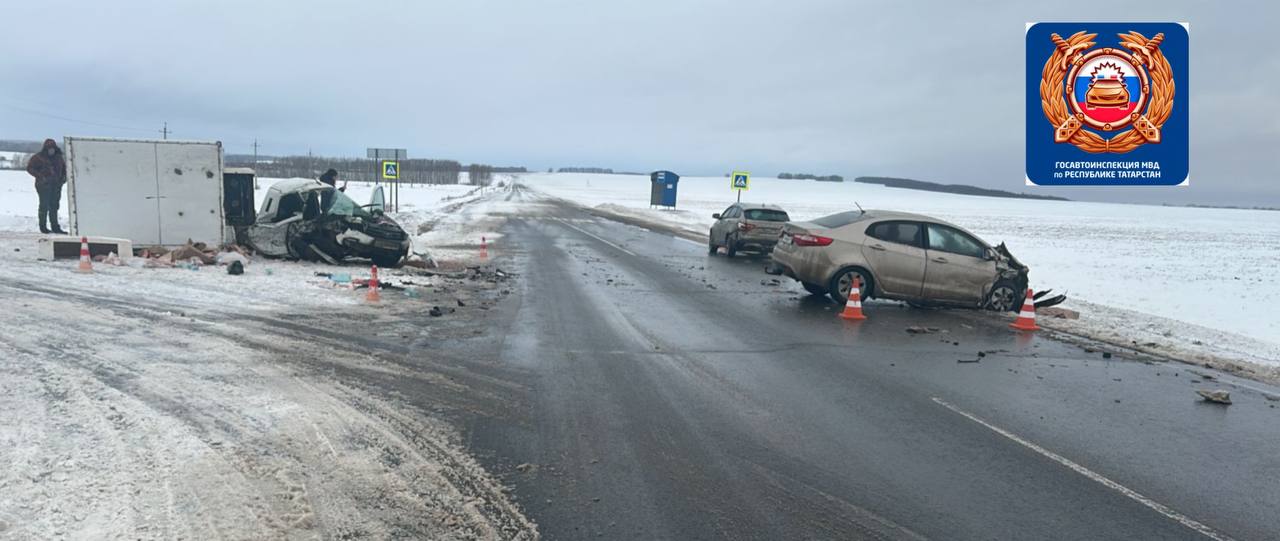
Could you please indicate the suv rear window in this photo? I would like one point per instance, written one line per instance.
(767, 215)
(839, 219)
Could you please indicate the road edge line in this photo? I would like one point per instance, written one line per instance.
(1092, 475)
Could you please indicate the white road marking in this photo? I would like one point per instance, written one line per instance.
(585, 232)
(1099, 478)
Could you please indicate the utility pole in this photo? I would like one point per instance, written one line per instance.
(165, 131)
(255, 163)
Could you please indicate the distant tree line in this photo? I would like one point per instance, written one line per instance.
(962, 189)
(1230, 207)
(807, 176)
(596, 170)
(480, 175)
(28, 147)
(415, 171)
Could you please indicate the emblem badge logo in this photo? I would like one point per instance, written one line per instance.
(1090, 95)
(1113, 89)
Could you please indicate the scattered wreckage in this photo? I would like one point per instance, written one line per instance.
(310, 220)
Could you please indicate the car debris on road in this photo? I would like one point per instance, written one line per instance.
(924, 330)
(1217, 397)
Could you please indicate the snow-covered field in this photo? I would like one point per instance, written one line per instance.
(1195, 281)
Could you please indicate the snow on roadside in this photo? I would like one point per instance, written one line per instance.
(115, 425)
(122, 425)
(1197, 282)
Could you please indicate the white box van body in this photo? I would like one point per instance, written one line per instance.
(152, 192)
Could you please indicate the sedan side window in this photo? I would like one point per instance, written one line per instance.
(896, 232)
(947, 239)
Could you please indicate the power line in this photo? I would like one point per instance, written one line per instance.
(75, 120)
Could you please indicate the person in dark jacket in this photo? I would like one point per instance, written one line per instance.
(330, 177)
(50, 172)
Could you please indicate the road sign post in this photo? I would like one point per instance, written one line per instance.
(740, 181)
(389, 157)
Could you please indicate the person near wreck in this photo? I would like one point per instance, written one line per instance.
(50, 172)
(330, 177)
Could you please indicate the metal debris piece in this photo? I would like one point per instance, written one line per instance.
(1217, 397)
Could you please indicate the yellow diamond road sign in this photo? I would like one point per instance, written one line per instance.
(741, 181)
(390, 170)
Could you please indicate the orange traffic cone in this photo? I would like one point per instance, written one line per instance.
(86, 264)
(484, 248)
(853, 306)
(373, 295)
(1027, 317)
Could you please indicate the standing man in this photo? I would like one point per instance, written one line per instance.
(330, 177)
(50, 172)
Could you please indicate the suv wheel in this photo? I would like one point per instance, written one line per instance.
(711, 246)
(730, 246)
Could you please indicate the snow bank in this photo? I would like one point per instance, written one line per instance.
(1214, 268)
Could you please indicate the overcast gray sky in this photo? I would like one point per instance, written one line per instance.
(923, 90)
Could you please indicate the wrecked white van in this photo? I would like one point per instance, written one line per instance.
(310, 220)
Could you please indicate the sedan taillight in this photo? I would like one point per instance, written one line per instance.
(744, 226)
(802, 239)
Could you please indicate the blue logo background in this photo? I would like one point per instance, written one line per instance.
(1172, 150)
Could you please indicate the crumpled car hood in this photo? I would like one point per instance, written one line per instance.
(1012, 269)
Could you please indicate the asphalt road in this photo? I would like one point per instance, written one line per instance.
(672, 395)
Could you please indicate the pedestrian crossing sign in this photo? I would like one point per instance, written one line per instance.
(391, 170)
(741, 181)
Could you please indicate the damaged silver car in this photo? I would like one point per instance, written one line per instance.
(310, 220)
(902, 256)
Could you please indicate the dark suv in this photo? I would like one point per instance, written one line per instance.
(746, 226)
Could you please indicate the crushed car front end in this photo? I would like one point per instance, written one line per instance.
(309, 220)
(1008, 291)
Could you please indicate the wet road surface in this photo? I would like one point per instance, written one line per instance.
(673, 395)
